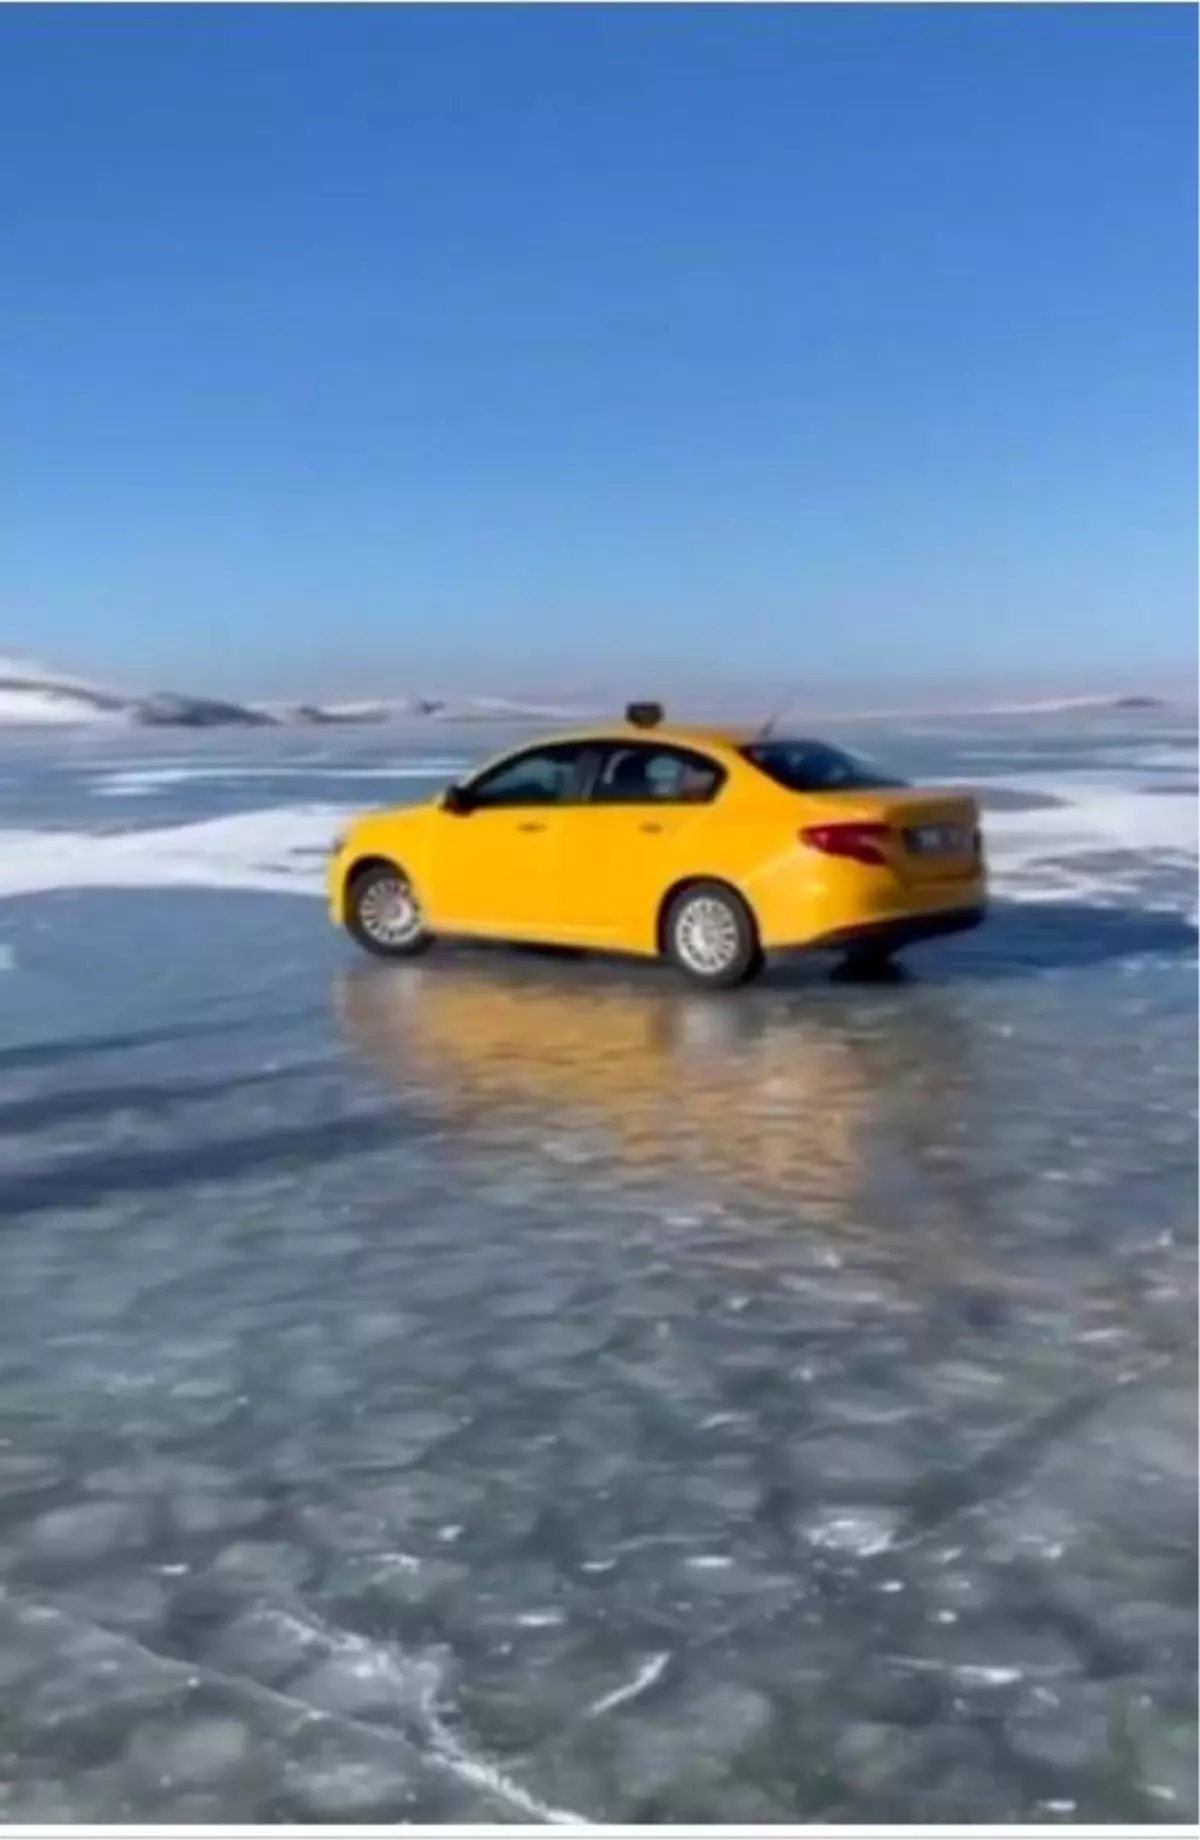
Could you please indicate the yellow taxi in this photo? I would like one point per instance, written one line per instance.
(708, 847)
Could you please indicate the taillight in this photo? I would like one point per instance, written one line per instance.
(862, 843)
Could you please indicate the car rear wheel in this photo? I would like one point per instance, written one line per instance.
(383, 914)
(710, 936)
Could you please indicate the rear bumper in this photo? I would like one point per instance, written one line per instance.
(905, 931)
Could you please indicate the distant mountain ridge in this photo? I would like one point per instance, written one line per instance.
(32, 696)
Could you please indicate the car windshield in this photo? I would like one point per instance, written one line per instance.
(814, 766)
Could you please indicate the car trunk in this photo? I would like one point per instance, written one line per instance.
(932, 836)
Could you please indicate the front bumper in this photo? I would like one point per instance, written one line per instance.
(335, 882)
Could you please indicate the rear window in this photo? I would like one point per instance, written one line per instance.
(814, 766)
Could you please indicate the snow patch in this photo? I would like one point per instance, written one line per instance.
(277, 850)
(130, 782)
(1095, 815)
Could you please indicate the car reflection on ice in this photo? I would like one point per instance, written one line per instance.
(800, 1116)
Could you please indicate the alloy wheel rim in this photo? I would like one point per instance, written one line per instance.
(388, 913)
(707, 936)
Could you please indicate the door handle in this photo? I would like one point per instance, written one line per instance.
(531, 827)
(655, 828)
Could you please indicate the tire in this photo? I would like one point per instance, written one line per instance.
(709, 934)
(382, 915)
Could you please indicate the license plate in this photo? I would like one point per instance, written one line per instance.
(937, 840)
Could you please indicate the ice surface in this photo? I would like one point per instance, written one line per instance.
(81, 1535)
(490, 1389)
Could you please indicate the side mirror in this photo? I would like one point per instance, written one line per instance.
(456, 800)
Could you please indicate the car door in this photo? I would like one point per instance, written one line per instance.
(492, 863)
(621, 850)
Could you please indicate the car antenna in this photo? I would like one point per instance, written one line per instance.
(781, 708)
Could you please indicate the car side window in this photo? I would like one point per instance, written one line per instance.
(541, 776)
(641, 774)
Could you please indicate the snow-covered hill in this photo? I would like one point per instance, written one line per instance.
(32, 696)
(1067, 705)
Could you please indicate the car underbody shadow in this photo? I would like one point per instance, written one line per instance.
(1022, 938)
(1018, 939)
(888, 972)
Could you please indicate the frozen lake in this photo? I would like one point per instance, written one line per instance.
(501, 1389)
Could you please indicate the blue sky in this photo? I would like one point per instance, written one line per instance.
(851, 343)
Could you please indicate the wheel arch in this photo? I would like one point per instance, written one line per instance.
(362, 865)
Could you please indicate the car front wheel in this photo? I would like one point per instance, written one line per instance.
(383, 914)
(711, 937)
